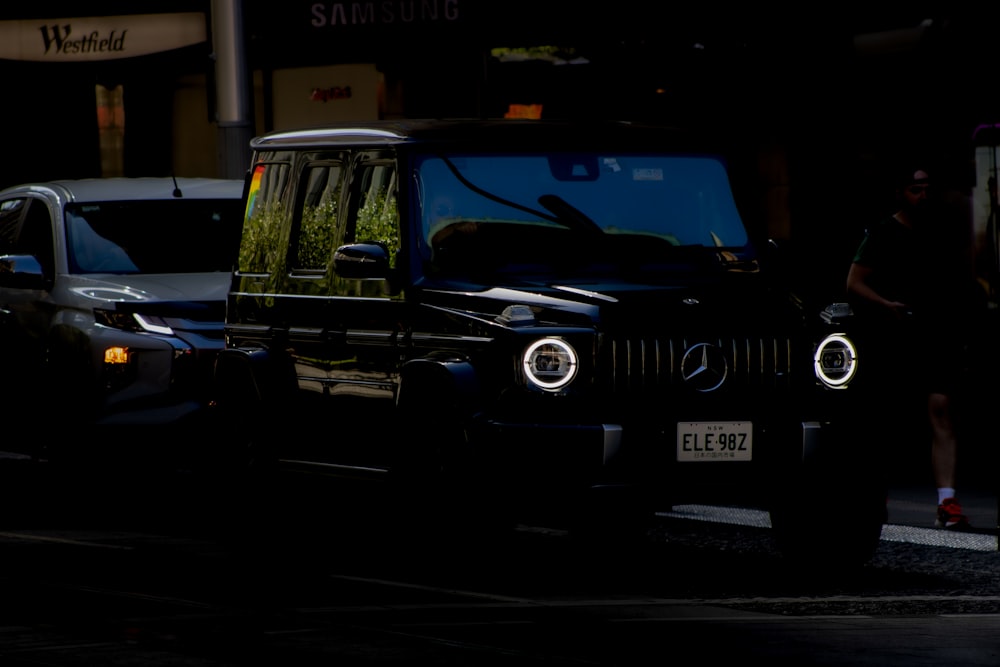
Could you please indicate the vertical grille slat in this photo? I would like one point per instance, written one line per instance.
(647, 364)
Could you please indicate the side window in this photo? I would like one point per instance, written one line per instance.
(261, 246)
(10, 215)
(377, 216)
(36, 236)
(315, 230)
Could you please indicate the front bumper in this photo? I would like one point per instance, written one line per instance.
(165, 380)
(573, 459)
(154, 415)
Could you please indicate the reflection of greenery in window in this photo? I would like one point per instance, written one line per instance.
(317, 231)
(378, 220)
(319, 223)
(262, 224)
(259, 247)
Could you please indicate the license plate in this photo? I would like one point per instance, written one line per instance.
(714, 441)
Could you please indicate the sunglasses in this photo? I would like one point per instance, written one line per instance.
(917, 189)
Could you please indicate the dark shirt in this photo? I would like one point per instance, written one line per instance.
(928, 269)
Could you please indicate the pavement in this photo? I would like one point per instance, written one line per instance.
(915, 505)
(912, 495)
(911, 500)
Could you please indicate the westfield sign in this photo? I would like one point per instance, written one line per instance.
(99, 37)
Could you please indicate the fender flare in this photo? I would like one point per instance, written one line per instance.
(252, 376)
(446, 383)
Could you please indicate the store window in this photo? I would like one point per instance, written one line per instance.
(111, 126)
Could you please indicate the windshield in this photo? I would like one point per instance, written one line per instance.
(168, 236)
(584, 211)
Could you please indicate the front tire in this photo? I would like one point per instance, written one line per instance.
(830, 523)
(450, 493)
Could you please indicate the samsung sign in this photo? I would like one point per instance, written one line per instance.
(99, 37)
(383, 12)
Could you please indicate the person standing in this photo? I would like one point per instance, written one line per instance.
(912, 282)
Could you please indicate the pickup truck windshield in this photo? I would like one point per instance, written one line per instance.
(170, 236)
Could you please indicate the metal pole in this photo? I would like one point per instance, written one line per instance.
(233, 89)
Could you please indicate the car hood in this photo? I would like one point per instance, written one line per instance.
(144, 288)
(721, 301)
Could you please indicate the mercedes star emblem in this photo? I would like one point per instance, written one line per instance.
(704, 367)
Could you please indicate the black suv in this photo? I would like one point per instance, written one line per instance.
(527, 319)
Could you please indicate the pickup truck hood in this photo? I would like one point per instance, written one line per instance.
(151, 287)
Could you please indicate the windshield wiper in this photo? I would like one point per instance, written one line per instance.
(489, 195)
(561, 212)
(569, 216)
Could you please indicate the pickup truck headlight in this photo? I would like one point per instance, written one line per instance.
(550, 363)
(134, 322)
(836, 361)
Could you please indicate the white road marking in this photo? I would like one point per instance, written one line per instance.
(890, 532)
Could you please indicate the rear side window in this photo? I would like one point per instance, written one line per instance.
(377, 216)
(263, 241)
(316, 225)
(10, 215)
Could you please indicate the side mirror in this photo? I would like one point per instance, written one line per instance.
(22, 272)
(362, 260)
(776, 261)
(837, 313)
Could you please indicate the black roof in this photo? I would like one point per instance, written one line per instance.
(499, 134)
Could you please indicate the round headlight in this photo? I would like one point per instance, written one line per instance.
(836, 361)
(550, 363)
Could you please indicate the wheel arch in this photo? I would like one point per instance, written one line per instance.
(255, 375)
(442, 382)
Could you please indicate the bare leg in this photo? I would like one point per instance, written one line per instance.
(944, 442)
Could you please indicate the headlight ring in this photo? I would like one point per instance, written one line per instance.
(836, 361)
(550, 363)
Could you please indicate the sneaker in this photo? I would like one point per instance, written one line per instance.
(950, 516)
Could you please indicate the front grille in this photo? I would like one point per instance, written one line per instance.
(638, 364)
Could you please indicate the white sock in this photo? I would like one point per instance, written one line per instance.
(945, 492)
